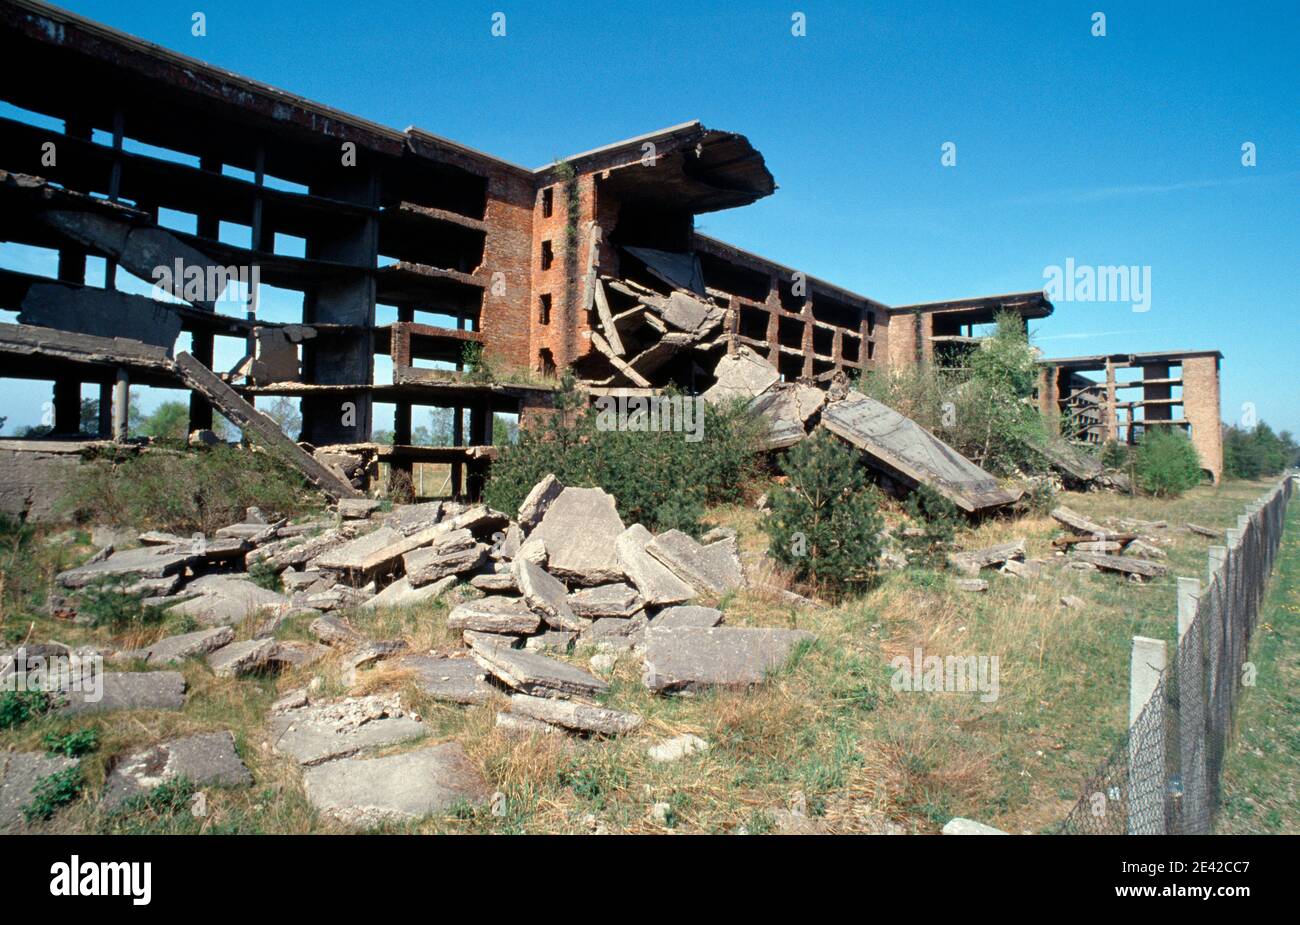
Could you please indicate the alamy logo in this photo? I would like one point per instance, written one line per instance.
(652, 413)
(1084, 283)
(199, 283)
(80, 674)
(951, 674)
(76, 877)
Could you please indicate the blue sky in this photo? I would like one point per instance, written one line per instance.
(1123, 149)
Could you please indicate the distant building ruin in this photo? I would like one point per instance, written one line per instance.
(406, 245)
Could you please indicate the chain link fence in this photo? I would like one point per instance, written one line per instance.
(1164, 776)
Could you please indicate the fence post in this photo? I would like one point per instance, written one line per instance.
(1217, 556)
(1146, 761)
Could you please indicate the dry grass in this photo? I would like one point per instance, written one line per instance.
(866, 757)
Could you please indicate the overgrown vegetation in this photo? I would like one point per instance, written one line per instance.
(54, 791)
(825, 522)
(72, 744)
(186, 491)
(1165, 463)
(17, 707)
(662, 478)
(474, 359)
(982, 409)
(1258, 452)
(110, 602)
(935, 521)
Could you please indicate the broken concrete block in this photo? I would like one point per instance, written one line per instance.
(686, 615)
(179, 648)
(1073, 602)
(551, 641)
(407, 519)
(305, 581)
(1026, 569)
(1079, 524)
(368, 654)
(656, 583)
(358, 508)
(535, 674)
(378, 549)
(970, 584)
(144, 562)
(532, 550)
(455, 680)
(1143, 568)
(1098, 546)
(516, 725)
(401, 594)
(579, 530)
(495, 615)
(295, 653)
(692, 658)
(334, 631)
(19, 773)
(971, 561)
(126, 690)
(713, 569)
(546, 595)
(451, 554)
(503, 582)
(240, 658)
(577, 716)
(534, 506)
(741, 375)
(366, 792)
(616, 600)
(960, 826)
(474, 638)
(208, 759)
(227, 599)
(616, 633)
(1145, 550)
(327, 731)
(676, 748)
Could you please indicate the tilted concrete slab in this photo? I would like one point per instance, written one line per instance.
(904, 448)
(689, 659)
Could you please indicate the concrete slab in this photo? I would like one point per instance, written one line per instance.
(206, 760)
(656, 583)
(546, 595)
(452, 679)
(614, 600)
(579, 530)
(366, 792)
(686, 615)
(495, 615)
(580, 717)
(131, 690)
(535, 674)
(19, 772)
(322, 732)
(689, 659)
(712, 569)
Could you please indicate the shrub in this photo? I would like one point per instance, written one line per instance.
(938, 519)
(17, 707)
(72, 745)
(657, 477)
(1114, 455)
(1166, 463)
(186, 491)
(107, 602)
(53, 791)
(825, 523)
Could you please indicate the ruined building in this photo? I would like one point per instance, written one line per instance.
(406, 246)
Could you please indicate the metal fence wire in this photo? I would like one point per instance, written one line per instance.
(1164, 776)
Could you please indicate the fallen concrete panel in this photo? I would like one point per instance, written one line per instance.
(904, 448)
(681, 270)
(535, 674)
(686, 615)
(540, 497)
(614, 600)
(743, 375)
(248, 419)
(712, 569)
(143, 562)
(545, 594)
(690, 658)
(580, 717)
(971, 561)
(208, 759)
(510, 615)
(128, 690)
(401, 594)
(579, 529)
(657, 584)
(227, 599)
(1143, 568)
(241, 658)
(455, 680)
(187, 645)
(366, 792)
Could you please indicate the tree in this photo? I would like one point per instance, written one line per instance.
(285, 414)
(825, 522)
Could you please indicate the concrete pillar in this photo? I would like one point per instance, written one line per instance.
(1146, 784)
(1189, 594)
(121, 405)
(106, 410)
(1218, 555)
